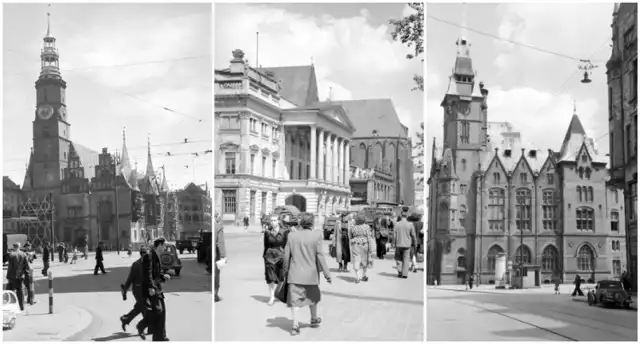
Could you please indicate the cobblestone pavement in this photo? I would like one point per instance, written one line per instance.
(98, 299)
(384, 309)
(523, 317)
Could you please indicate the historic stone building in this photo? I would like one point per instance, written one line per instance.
(189, 211)
(85, 194)
(491, 190)
(12, 198)
(278, 144)
(622, 75)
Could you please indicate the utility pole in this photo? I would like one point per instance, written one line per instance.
(115, 193)
(520, 200)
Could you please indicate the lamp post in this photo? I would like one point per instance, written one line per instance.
(521, 200)
(115, 196)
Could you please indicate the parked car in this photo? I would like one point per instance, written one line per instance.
(187, 245)
(329, 226)
(10, 309)
(609, 292)
(170, 260)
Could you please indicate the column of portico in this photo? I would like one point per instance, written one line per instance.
(347, 162)
(321, 155)
(327, 168)
(245, 156)
(334, 165)
(313, 151)
(341, 162)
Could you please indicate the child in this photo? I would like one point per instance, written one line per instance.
(74, 258)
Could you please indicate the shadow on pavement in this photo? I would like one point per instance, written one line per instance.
(388, 274)
(115, 336)
(530, 333)
(90, 283)
(282, 323)
(349, 279)
(374, 298)
(261, 298)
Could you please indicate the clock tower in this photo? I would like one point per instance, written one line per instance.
(50, 127)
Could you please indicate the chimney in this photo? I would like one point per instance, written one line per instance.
(237, 63)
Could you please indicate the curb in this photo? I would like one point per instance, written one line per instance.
(76, 321)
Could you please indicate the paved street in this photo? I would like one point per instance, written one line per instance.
(384, 309)
(523, 316)
(88, 307)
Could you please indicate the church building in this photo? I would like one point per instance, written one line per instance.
(496, 197)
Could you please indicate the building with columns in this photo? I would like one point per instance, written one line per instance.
(278, 144)
(493, 194)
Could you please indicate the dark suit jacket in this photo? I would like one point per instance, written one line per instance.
(18, 265)
(303, 258)
(45, 253)
(99, 253)
(152, 275)
(221, 250)
(135, 277)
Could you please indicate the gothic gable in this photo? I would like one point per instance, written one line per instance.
(522, 166)
(496, 166)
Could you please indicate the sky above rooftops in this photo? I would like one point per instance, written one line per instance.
(166, 50)
(350, 45)
(533, 90)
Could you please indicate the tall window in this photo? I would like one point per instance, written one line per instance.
(584, 219)
(264, 166)
(230, 162)
(633, 214)
(614, 221)
(581, 170)
(273, 169)
(523, 178)
(462, 262)
(615, 195)
(494, 251)
(617, 271)
(444, 215)
(550, 259)
(229, 201)
(464, 132)
(463, 214)
(549, 210)
(550, 178)
(463, 189)
(579, 191)
(585, 258)
(253, 163)
(496, 210)
(523, 209)
(523, 254)
(253, 125)
(590, 194)
(274, 200)
(496, 178)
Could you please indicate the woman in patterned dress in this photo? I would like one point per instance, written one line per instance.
(275, 239)
(363, 245)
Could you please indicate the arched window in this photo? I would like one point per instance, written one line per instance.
(463, 214)
(585, 195)
(585, 258)
(362, 156)
(496, 178)
(587, 173)
(523, 209)
(550, 259)
(579, 191)
(494, 251)
(462, 262)
(584, 219)
(523, 254)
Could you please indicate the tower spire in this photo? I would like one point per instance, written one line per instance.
(50, 60)
(462, 43)
(575, 113)
(125, 163)
(150, 170)
(49, 22)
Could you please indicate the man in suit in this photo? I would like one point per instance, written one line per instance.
(99, 259)
(16, 271)
(221, 253)
(404, 236)
(152, 291)
(46, 249)
(135, 282)
(303, 262)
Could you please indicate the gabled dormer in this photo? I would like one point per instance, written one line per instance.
(549, 176)
(522, 173)
(496, 174)
(74, 179)
(584, 163)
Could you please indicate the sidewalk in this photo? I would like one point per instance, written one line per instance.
(36, 324)
(229, 229)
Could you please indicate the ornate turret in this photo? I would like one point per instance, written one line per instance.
(49, 55)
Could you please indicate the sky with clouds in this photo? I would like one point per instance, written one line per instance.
(533, 90)
(166, 53)
(350, 44)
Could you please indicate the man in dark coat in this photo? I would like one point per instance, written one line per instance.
(135, 282)
(221, 253)
(577, 282)
(99, 259)
(152, 281)
(46, 251)
(16, 271)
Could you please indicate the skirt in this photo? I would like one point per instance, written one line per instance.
(360, 255)
(346, 251)
(273, 266)
(302, 295)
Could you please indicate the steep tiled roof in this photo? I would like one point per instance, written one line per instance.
(573, 141)
(503, 136)
(88, 158)
(368, 115)
(299, 85)
(8, 184)
(341, 115)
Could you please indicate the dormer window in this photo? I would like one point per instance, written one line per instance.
(584, 157)
(532, 154)
(507, 153)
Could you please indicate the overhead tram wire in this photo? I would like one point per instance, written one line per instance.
(482, 33)
(200, 120)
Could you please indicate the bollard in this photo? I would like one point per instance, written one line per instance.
(32, 291)
(50, 275)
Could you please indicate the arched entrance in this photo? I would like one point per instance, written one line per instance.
(297, 201)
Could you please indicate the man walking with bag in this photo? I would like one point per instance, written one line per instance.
(404, 236)
(156, 318)
(135, 282)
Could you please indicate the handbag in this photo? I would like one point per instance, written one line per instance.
(332, 250)
(282, 290)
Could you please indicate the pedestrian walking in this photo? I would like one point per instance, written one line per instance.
(74, 255)
(99, 260)
(134, 281)
(577, 289)
(156, 317)
(404, 235)
(275, 239)
(382, 236)
(16, 270)
(556, 282)
(61, 252)
(470, 282)
(246, 222)
(341, 239)
(221, 253)
(46, 255)
(303, 262)
(362, 244)
(415, 220)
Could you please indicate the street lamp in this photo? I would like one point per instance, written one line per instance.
(521, 203)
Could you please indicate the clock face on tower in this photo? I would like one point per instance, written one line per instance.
(45, 111)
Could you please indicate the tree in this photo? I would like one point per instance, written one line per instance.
(410, 31)
(419, 155)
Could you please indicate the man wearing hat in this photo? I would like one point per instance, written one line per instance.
(99, 259)
(152, 291)
(16, 271)
(135, 282)
(404, 236)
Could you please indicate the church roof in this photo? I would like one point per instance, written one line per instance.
(88, 159)
(299, 85)
(368, 115)
(503, 136)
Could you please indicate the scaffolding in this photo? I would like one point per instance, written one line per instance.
(37, 220)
